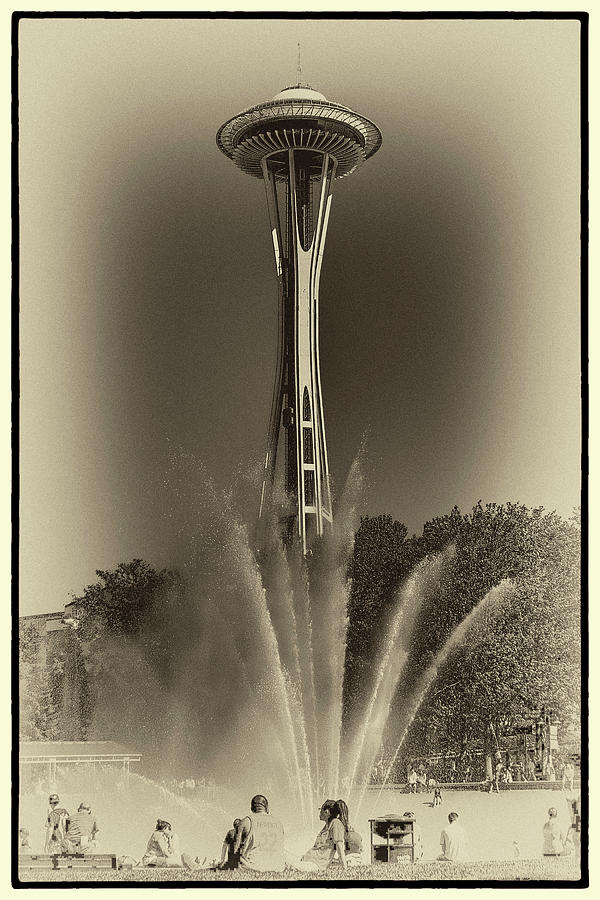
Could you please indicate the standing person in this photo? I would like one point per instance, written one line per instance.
(56, 825)
(553, 835)
(81, 831)
(453, 840)
(568, 776)
(437, 797)
(412, 780)
(259, 839)
(495, 783)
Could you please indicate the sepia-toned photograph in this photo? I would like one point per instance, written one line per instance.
(301, 449)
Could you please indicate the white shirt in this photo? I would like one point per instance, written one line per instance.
(553, 836)
(452, 841)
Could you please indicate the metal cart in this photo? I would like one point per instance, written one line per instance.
(392, 839)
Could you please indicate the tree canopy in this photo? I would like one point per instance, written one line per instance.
(523, 656)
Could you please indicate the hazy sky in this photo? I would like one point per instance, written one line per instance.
(449, 294)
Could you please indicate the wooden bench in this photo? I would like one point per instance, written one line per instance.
(67, 861)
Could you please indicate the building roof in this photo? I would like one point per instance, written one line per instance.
(41, 616)
(80, 750)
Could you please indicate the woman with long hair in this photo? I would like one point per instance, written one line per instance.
(331, 840)
(352, 840)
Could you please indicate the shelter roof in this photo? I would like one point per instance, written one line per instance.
(44, 750)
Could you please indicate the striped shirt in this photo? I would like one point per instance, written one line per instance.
(81, 824)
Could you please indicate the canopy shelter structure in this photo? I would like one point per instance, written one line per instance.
(50, 754)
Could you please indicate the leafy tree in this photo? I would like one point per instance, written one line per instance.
(122, 620)
(38, 714)
(525, 656)
(381, 557)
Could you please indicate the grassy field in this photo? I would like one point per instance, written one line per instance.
(558, 869)
(497, 827)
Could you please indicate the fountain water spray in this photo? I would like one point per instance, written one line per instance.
(236, 671)
(492, 601)
(394, 653)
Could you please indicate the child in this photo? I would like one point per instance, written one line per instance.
(24, 845)
(437, 796)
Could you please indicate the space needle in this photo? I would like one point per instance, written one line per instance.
(298, 143)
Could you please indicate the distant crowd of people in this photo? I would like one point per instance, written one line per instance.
(191, 786)
(422, 778)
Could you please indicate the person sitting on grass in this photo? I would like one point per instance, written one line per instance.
(553, 835)
(417, 836)
(229, 858)
(163, 848)
(353, 841)
(259, 839)
(452, 840)
(330, 840)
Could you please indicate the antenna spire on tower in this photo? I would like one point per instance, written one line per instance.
(299, 72)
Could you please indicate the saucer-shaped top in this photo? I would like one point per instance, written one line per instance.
(298, 117)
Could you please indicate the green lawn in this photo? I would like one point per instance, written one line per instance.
(559, 869)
